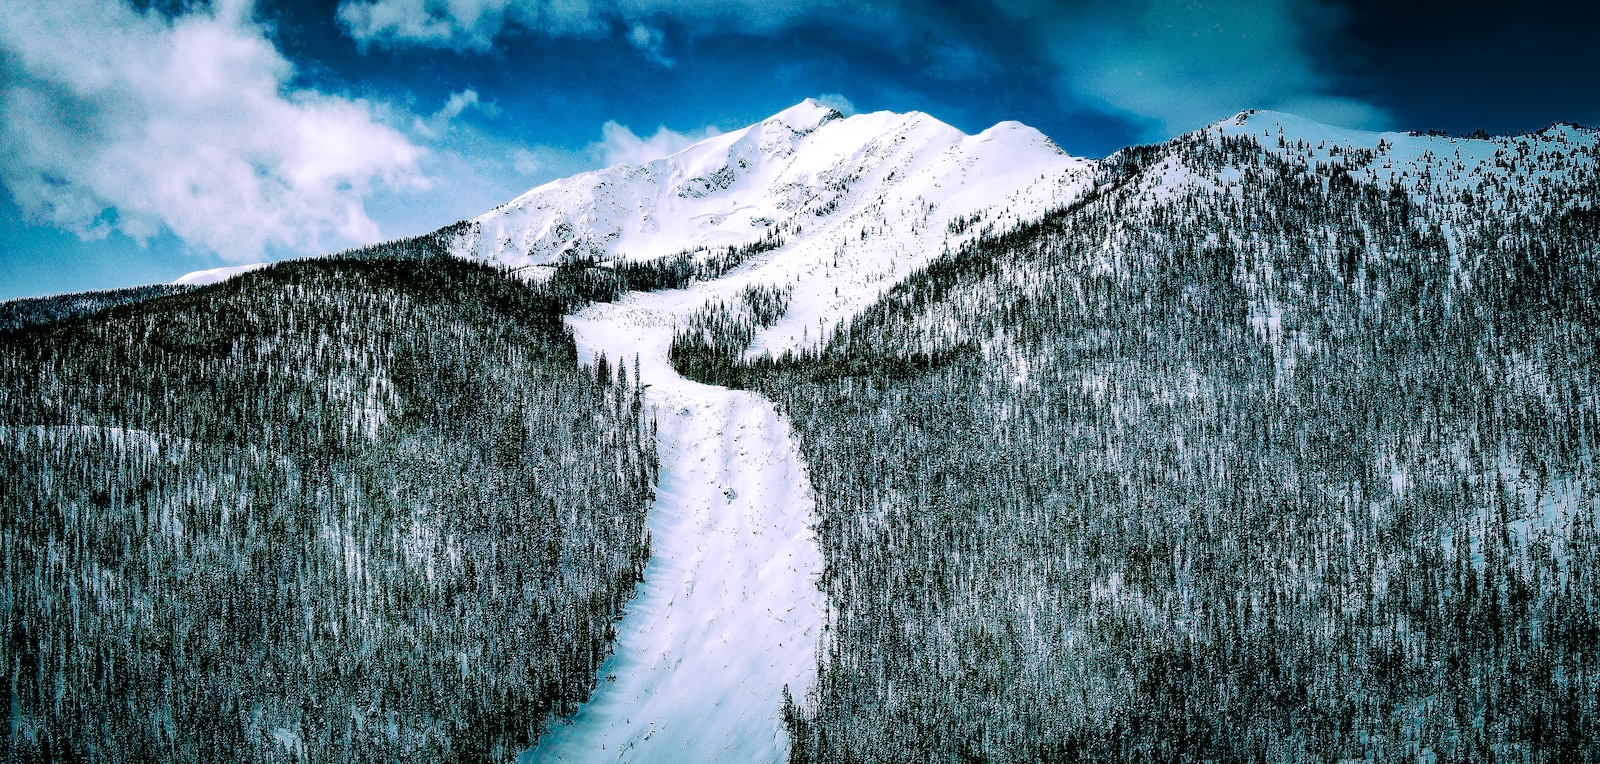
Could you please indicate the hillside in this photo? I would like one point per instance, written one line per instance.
(1276, 446)
(359, 508)
(28, 311)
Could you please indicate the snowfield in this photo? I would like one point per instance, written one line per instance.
(858, 202)
(216, 275)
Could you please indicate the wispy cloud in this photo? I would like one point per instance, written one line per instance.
(461, 24)
(121, 120)
(650, 40)
(475, 24)
(619, 145)
(438, 124)
(838, 103)
(472, 169)
(1181, 64)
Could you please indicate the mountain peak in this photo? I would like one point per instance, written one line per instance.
(806, 171)
(805, 116)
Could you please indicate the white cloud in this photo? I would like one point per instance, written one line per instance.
(457, 103)
(525, 161)
(122, 120)
(838, 103)
(436, 125)
(476, 171)
(650, 40)
(619, 145)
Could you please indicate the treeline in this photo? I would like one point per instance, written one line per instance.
(709, 347)
(576, 282)
(359, 508)
(28, 311)
(1275, 465)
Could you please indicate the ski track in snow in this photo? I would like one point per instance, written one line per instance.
(728, 612)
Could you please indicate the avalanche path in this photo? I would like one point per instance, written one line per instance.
(728, 612)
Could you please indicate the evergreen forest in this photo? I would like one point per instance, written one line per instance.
(360, 508)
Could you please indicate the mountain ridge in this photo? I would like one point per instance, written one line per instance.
(588, 216)
(804, 163)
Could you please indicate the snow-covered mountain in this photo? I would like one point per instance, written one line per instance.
(1451, 179)
(806, 167)
(845, 209)
(808, 174)
(857, 201)
(1561, 155)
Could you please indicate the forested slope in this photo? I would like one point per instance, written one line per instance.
(1264, 451)
(27, 311)
(359, 508)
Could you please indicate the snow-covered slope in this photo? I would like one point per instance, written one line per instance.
(1471, 191)
(1424, 164)
(728, 613)
(1117, 350)
(802, 163)
(857, 201)
(215, 275)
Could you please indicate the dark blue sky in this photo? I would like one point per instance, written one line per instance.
(150, 141)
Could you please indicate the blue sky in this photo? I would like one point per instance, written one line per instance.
(145, 139)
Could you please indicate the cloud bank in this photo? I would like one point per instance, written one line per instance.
(120, 120)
